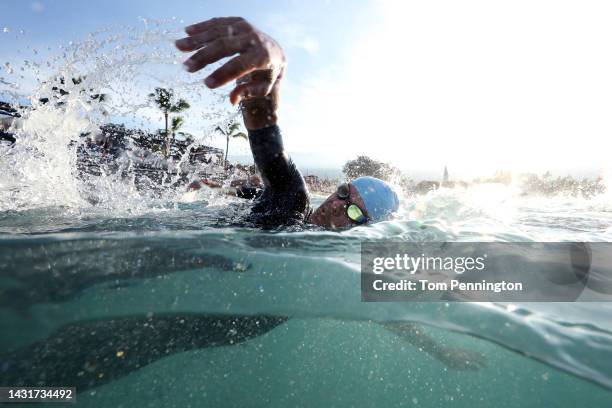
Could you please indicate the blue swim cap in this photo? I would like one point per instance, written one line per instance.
(379, 198)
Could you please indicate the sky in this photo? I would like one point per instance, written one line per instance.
(478, 86)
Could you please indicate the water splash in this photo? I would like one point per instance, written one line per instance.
(124, 65)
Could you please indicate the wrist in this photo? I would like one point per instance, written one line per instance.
(258, 114)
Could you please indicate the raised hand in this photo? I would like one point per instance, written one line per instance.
(258, 66)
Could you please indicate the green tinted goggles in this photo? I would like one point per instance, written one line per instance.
(353, 212)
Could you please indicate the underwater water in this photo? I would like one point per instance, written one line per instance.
(142, 298)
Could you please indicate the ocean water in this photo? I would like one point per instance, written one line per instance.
(171, 308)
(162, 298)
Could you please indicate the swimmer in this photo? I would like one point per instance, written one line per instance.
(258, 67)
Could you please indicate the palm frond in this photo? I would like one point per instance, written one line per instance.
(163, 98)
(233, 127)
(180, 106)
(240, 134)
(177, 122)
(234, 130)
(220, 129)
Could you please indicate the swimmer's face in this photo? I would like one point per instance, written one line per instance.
(332, 213)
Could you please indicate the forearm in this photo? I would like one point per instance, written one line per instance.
(285, 190)
(277, 170)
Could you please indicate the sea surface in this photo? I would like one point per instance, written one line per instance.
(170, 307)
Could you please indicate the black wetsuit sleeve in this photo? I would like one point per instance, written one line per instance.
(285, 198)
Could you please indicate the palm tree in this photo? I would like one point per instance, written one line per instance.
(177, 122)
(164, 98)
(233, 131)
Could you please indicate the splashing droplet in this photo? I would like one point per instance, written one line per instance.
(56, 129)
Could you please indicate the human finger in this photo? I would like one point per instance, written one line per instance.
(199, 40)
(216, 50)
(233, 69)
(213, 22)
(250, 90)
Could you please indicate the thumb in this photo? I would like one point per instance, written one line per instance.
(250, 90)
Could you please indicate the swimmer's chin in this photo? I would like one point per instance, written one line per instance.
(319, 218)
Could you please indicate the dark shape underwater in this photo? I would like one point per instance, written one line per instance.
(88, 355)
